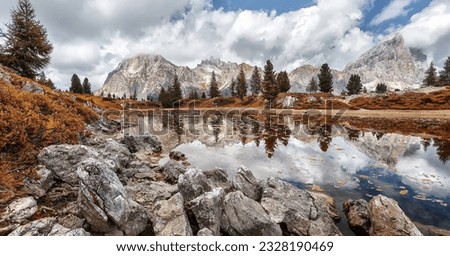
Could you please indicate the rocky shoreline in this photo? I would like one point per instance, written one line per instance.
(105, 187)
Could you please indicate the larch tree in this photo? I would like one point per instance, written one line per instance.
(354, 85)
(284, 84)
(26, 48)
(312, 85)
(255, 81)
(213, 87)
(325, 79)
(76, 86)
(444, 75)
(269, 84)
(431, 78)
(86, 86)
(241, 84)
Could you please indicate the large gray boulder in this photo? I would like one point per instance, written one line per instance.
(170, 219)
(194, 183)
(39, 187)
(207, 209)
(118, 153)
(63, 160)
(296, 209)
(20, 209)
(247, 183)
(388, 219)
(358, 216)
(243, 216)
(46, 227)
(145, 143)
(172, 171)
(104, 201)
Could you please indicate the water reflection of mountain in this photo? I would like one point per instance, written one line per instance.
(218, 129)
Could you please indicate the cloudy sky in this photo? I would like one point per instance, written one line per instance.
(92, 36)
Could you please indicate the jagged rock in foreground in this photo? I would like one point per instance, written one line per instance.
(46, 227)
(170, 218)
(358, 217)
(208, 209)
(103, 200)
(380, 217)
(245, 217)
(297, 210)
(247, 183)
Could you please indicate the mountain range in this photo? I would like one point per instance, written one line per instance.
(389, 62)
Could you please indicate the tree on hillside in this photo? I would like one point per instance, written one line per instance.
(86, 86)
(269, 84)
(26, 48)
(42, 79)
(354, 85)
(233, 88)
(241, 84)
(325, 79)
(75, 85)
(444, 75)
(255, 81)
(203, 95)
(193, 95)
(213, 87)
(431, 78)
(284, 84)
(381, 88)
(176, 93)
(312, 85)
(164, 98)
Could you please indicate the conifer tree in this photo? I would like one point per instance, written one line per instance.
(75, 85)
(241, 84)
(325, 79)
(203, 95)
(431, 78)
(86, 86)
(283, 81)
(381, 88)
(269, 84)
(354, 85)
(313, 86)
(444, 75)
(233, 88)
(255, 81)
(213, 87)
(26, 48)
(176, 92)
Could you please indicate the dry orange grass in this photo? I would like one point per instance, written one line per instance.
(30, 122)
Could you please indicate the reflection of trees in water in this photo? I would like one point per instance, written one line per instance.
(325, 137)
(353, 134)
(216, 122)
(378, 135)
(426, 142)
(274, 130)
(442, 149)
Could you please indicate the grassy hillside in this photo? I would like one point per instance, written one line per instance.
(30, 121)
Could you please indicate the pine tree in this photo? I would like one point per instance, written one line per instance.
(313, 86)
(109, 96)
(325, 79)
(255, 81)
(233, 88)
(86, 86)
(164, 98)
(444, 75)
(213, 87)
(193, 95)
(134, 95)
(269, 84)
(354, 85)
(176, 90)
(50, 84)
(76, 86)
(431, 78)
(203, 95)
(26, 48)
(381, 88)
(241, 84)
(283, 81)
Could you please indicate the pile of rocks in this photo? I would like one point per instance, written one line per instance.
(103, 188)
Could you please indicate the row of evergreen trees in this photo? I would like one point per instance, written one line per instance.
(432, 79)
(77, 87)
